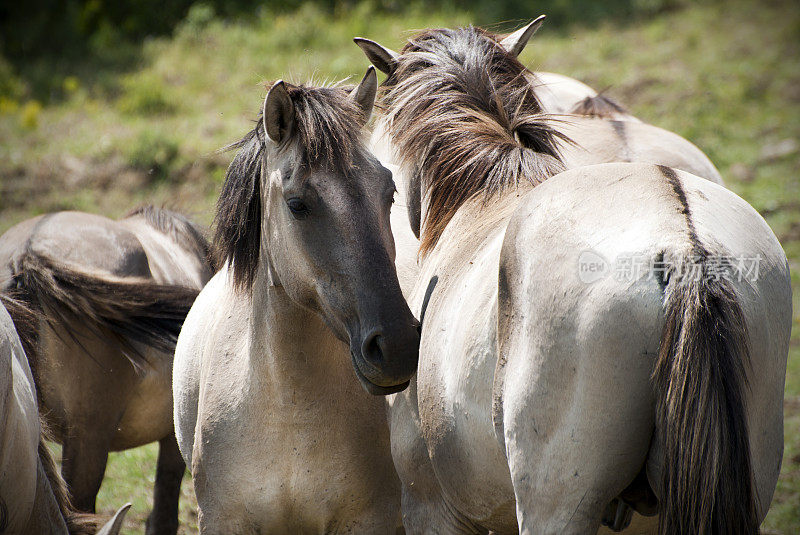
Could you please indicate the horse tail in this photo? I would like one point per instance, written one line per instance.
(700, 380)
(77, 523)
(131, 310)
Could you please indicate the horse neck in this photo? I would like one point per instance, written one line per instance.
(381, 146)
(292, 352)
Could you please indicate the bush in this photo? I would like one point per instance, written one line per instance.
(154, 153)
(144, 95)
(29, 114)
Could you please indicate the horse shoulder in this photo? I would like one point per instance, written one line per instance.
(212, 323)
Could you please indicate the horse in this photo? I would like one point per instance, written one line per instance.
(33, 497)
(279, 432)
(595, 338)
(595, 128)
(563, 95)
(559, 94)
(112, 295)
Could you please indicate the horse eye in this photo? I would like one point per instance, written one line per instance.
(298, 208)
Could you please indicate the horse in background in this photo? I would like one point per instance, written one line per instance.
(112, 296)
(593, 128)
(33, 497)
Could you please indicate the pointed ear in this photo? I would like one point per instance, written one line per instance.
(113, 526)
(278, 113)
(515, 42)
(364, 93)
(380, 56)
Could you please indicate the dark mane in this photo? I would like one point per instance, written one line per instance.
(464, 115)
(327, 131)
(599, 106)
(179, 227)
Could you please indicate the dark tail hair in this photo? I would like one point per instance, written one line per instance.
(130, 310)
(700, 381)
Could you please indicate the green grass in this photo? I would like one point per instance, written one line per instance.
(129, 477)
(726, 76)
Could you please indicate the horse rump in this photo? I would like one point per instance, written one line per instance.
(706, 483)
(131, 310)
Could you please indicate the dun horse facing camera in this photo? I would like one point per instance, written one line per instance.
(279, 356)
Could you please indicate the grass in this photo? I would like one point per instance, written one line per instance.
(726, 76)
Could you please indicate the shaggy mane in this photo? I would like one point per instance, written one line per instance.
(463, 114)
(327, 130)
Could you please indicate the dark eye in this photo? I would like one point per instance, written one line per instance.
(298, 208)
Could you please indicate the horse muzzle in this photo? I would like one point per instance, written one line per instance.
(385, 364)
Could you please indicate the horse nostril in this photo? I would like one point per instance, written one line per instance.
(372, 347)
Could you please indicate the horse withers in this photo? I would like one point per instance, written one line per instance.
(112, 296)
(33, 497)
(280, 358)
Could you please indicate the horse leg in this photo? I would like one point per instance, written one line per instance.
(569, 458)
(423, 506)
(84, 458)
(574, 404)
(163, 519)
(578, 422)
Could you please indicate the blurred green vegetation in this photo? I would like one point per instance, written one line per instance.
(129, 107)
(45, 40)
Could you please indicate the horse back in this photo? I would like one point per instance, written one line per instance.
(84, 241)
(176, 248)
(597, 140)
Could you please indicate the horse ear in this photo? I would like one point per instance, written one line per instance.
(364, 93)
(278, 112)
(380, 56)
(515, 42)
(113, 526)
